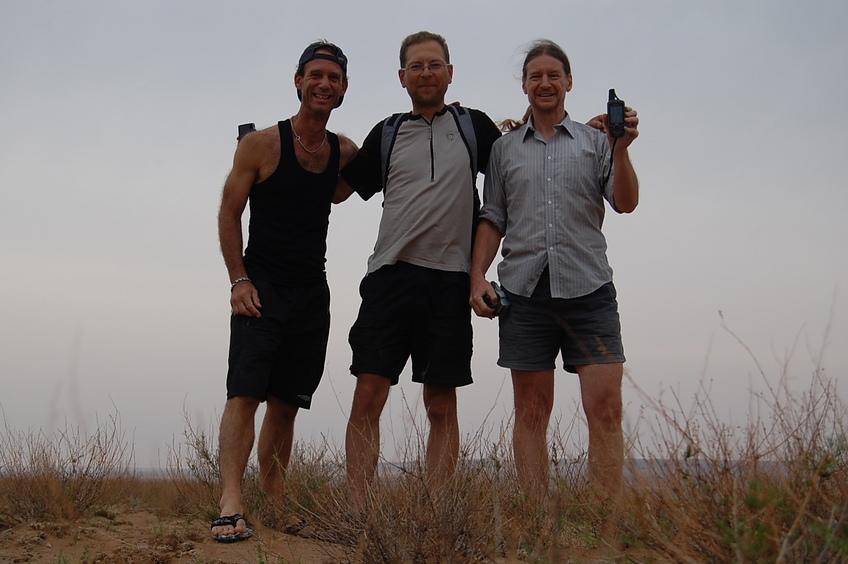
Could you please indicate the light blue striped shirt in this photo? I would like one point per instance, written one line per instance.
(546, 197)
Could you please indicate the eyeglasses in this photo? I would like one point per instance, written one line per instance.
(418, 69)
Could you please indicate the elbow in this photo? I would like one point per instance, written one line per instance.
(489, 227)
(228, 215)
(630, 208)
(343, 191)
(626, 200)
(339, 198)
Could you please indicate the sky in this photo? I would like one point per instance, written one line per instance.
(117, 129)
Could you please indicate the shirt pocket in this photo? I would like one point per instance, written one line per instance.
(581, 173)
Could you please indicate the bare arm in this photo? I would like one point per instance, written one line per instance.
(625, 184)
(244, 299)
(343, 191)
(486, 244)
(348, 150)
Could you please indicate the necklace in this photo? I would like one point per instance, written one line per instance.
(297, 138)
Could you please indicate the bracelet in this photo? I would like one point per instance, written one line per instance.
(237, 280)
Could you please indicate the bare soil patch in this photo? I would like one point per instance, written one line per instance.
(119, 535)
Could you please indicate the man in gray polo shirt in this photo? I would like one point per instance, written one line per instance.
(544, 195)
(415, 295)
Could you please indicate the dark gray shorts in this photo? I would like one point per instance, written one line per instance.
(281, 353)
(586, 330)
(413, 311)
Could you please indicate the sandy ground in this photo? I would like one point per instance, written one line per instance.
(140, 537)
(135, 536)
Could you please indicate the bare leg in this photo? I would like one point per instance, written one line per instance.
(600, 388)
(362, 439)
(235, 443)
(275, 445)
(443, 441)
(534, 401)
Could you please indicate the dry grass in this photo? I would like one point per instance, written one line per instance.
(772, 491)
(62, 475)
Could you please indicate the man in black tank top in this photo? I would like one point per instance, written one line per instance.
(279, 293)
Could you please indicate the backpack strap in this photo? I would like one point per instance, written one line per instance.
(392, 123)
(387, 142)
(466, 129)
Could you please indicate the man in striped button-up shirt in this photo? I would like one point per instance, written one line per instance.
(544, 195)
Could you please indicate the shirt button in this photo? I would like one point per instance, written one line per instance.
(549, 179)
(549, 202)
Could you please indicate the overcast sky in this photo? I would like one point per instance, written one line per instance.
(117, 129)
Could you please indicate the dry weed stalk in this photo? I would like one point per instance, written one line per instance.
(193, 468)
(481, 517)
(63, 474)
(774, 490)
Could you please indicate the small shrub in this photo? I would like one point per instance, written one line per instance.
(63, 474)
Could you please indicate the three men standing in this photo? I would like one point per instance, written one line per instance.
(544, 193)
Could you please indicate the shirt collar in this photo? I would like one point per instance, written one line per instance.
(566, 125)
(441, 112)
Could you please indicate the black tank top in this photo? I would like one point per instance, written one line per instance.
(289, 215)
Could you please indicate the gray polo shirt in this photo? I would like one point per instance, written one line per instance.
(428, 204)
(546, 197)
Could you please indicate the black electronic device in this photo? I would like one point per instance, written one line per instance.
(615, 115)
(499, 306)
(245, 128)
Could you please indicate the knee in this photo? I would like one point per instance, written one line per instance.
(369, 398)
(280, 410)
(534, 410)
(533, 406)
(605, 410)
(440, 405)
(240, 407)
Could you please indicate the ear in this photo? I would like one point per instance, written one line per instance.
(344, 87)
(569, 83)
(524, 87)
(450, 73)
(298, 81)
(401, 74)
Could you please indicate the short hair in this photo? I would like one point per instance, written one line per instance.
(421, 37)
(545, 47)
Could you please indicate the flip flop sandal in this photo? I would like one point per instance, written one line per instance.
(231, 520)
